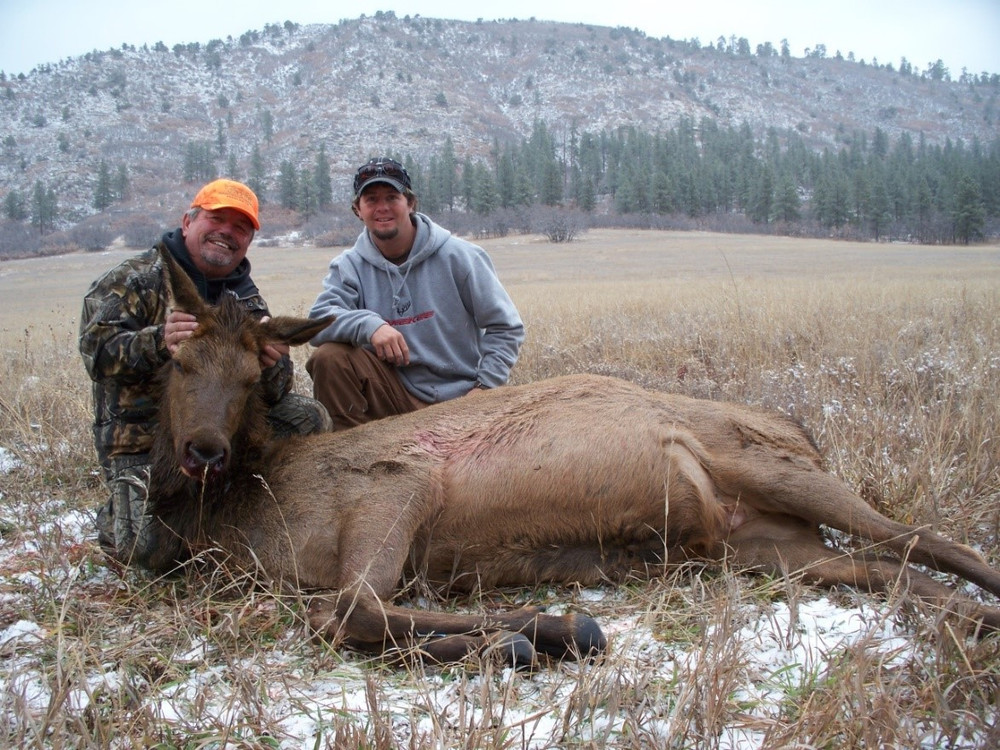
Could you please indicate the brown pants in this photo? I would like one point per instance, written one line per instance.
(355, 386)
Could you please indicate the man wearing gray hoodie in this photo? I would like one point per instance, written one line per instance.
(421, 316)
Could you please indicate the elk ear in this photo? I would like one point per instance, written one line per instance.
(181, 289)
(294, 331)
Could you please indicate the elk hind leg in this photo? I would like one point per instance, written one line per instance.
(821, 498)
(781, 545)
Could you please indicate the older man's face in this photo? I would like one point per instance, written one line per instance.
(217, 240)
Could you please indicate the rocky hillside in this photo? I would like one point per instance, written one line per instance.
(404, 85)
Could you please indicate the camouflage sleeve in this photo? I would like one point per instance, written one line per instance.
(277, 380)
(121, 326)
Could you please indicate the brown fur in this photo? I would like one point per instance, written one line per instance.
(579, 479)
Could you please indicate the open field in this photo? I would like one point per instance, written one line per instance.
(890, 354)
(40, 290)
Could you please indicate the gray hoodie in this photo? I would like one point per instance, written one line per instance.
(458, 321)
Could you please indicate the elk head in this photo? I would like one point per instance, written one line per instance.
(211, 392)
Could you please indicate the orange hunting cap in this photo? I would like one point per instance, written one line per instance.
(228, 194)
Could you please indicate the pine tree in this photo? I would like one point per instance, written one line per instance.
(878, 209)
(786, 202)
(321, 179)
(590, 162)
(831, 199)
(416, 172)
(969, 216)
(625, 201)
(120, 183)
(13, 206)
(220, 139)
(267, 125)
(485, 197)
(468, 182)
(102, 192)
(446, 177)
(199, 162)
(43, 208)
(308, 199)
(586, 197)
(506, 179)
(551, 193)
(255, 179)
(288, 189)
(524, 191)
(661, 191)
(430, 190)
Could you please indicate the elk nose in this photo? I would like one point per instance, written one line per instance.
(200, 460)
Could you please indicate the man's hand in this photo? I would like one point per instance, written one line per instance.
(390, 345)
(178, 327)
(272, 352)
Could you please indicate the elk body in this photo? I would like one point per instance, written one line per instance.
(580, 479)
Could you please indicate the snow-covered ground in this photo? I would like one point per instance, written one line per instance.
(776, 653)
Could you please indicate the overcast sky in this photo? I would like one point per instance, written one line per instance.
(961, 33)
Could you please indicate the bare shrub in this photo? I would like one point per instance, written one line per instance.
(478, 227)
(92, 235)
(559, 224)
(336, 238)
(18, 240)
(139, 231)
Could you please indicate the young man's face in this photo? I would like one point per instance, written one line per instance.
(218, 240)
(386, 213)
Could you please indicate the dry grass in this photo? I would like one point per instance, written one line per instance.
(890, 354)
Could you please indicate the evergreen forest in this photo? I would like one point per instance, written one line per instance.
(559, 181)
(725, 177)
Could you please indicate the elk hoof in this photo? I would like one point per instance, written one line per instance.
(324, 625)
(508, 649)
(588, 638)
(573, 636)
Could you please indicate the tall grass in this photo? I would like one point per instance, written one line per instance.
(897, 377)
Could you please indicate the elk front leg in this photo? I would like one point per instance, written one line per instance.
(369, 624)
(359, 612)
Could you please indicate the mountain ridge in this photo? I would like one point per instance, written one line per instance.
(404, 85)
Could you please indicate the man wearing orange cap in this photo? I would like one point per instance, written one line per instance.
(128, 331)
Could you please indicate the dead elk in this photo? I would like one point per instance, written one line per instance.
(578, 479)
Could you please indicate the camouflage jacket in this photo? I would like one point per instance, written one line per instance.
(121, 341)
